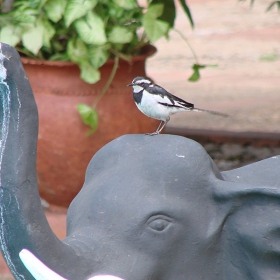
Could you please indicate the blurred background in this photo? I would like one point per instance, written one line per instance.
(240, 45)
(243, 42)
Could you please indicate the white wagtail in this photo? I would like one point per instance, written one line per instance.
(157, 103)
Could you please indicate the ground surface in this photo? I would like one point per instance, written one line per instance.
(245, 44)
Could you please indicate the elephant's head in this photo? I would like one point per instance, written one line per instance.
(151, 207)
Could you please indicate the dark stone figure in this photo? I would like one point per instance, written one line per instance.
(151, 207)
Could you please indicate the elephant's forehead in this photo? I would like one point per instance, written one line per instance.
(163, 154)
(142, 183)
(135, 176)
(115, 207)
(166, 168)
(137, 196)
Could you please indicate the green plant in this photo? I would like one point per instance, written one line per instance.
(271, 5)
(86, 32)
(274, 3)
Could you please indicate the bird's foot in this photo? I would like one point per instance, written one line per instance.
(159, 129)
(152, 134)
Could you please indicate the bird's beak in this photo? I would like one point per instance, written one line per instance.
(130, 85)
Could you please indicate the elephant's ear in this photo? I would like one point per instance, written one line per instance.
(22, 220)
(249, 223)
(262, 173)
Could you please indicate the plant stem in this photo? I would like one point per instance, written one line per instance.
(189, 45)
(108, 83)
(121, 55)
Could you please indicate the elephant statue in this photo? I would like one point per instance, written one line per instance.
(151, 207)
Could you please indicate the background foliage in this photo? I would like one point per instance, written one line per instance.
(86, 32)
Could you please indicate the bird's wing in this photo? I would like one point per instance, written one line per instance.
(182, 102)
(167, 99)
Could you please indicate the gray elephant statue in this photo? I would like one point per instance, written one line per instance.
(151, 208)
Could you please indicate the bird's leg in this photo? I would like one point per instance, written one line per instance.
(163, 125)
(159, 129)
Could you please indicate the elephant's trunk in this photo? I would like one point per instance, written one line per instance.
(22, 220)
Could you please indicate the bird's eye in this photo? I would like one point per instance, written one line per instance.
(159, 223)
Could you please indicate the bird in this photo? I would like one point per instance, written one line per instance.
(157, 103)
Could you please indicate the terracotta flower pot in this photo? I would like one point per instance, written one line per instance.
(64, 150)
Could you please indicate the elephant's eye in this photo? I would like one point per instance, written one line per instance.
(159, 223)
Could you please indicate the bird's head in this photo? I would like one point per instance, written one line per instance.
(139, 83)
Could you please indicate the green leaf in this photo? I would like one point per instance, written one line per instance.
(91, 29)
(154, 27)
(98, 55)
(169, 11)
(154, 10)
(59, 57)
(187, 11)
(55, 9)
(25, 16)
(10, 35)
(32, 39)
(126, 4)
(196, 74)
(58, 46)
(76, 9)
(49, 32)
(274, 3)
(120, 35)
(89, 74)
(77, 51)
(89, 116)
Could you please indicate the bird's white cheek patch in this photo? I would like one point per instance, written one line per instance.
(137, 88)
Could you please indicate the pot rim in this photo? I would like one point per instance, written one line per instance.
(147, 51)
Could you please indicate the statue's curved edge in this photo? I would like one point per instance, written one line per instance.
(22, 221)
(261, 173)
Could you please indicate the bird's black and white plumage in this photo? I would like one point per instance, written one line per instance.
(157, 103)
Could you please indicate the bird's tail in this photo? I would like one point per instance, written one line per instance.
(210, 112)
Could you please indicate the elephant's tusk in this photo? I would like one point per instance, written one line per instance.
(105, 277)
(37, 269)
(41, 272)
